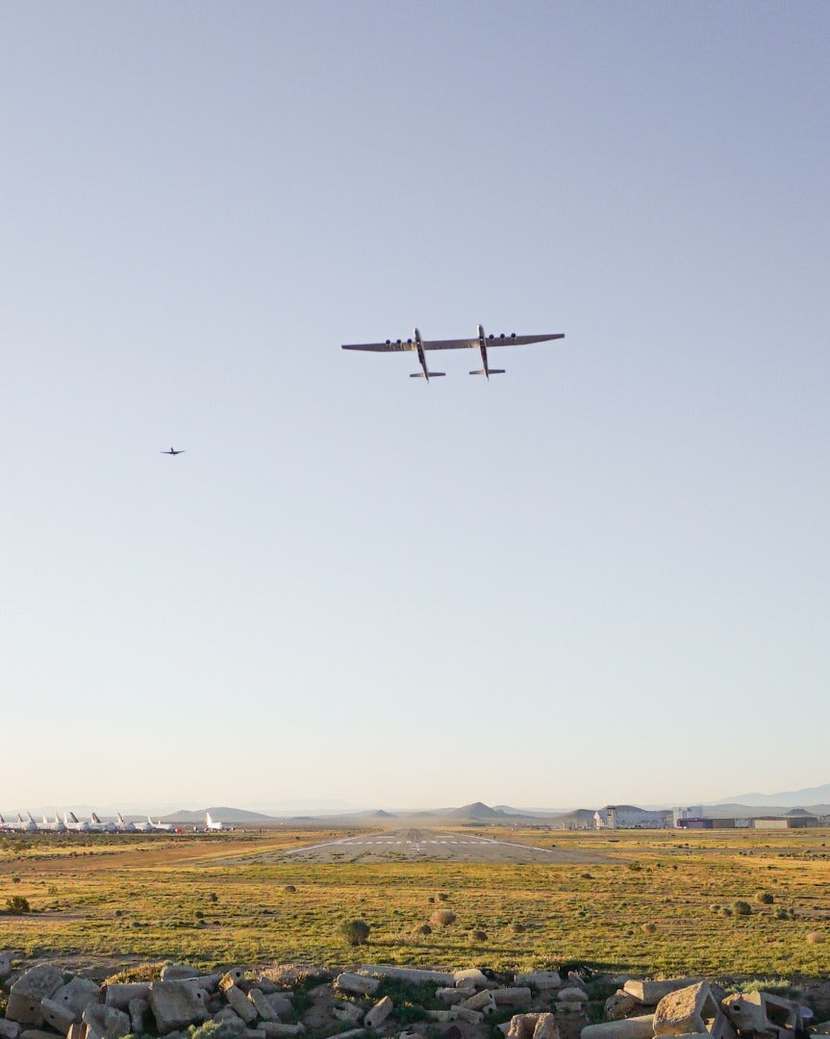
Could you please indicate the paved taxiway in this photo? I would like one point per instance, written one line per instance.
(431, 845)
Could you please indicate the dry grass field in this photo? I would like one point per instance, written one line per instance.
(656, 907)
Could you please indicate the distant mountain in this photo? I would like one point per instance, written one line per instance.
(534, 812)
(222, 815)
(811, 795)
(476, 810)
(380, 814)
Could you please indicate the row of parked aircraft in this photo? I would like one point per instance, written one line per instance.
(94, 824)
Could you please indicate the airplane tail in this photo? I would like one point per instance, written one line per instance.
(493, 371)
(420, 375)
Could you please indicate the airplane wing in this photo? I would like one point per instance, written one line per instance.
(389, 345)
(500, 340)
(453, 344)
(514, 340)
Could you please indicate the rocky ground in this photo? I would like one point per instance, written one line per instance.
(41, 1001)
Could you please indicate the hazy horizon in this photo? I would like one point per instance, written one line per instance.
(332, 808)
(600, 577)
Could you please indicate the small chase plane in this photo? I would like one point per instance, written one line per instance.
(173, 451)
(481, 342)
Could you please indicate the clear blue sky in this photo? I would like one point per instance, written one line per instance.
(602, 577)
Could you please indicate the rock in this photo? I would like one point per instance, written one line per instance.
(462, 1013)
(379, 1013)
(572, 994)
(58, 1015)
(441, 1016)
(622, 1004)
(540, 979)
(9, 1029)
(761, 1012)
(453, 995)
(106, 1022)
(531, 1026)
(515, 996)
(239, 1001)
(232, 1027)
(348, 1013)
(356, 984)
(471, 978)
(261, 1005)
(722, 1028)
(227, 1014)
(628, 1028)
(119, 996)
(275, 1030)
(76, 995)
(280, 1003)
(176, 1005)
(137, 1009)
(413, 975)
(650, 993)
(482, 1000)
(546, 1027)
(254, 1033)
(205, 982)
(351, 1034)
(36, 1033)
(31, 987)
(6, 957)
(178, 972)
(686, 1010)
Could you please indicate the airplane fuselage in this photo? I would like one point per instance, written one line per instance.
(422, 360)
(482, 346)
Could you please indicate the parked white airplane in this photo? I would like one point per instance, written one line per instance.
(151, 827)
(212, 826)
(74, 824)
(123, 826)
(99, 826)
(4, 825)
(52, 825)
(27, 825)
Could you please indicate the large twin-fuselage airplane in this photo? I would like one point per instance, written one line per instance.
(481, 341)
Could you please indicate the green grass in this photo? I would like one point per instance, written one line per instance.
(597, 916)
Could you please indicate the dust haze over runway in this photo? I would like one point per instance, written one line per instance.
(430, 845)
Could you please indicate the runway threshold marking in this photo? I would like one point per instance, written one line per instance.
(443, 840)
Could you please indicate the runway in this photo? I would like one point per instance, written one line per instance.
(430, 845)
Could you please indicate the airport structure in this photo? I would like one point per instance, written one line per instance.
(630, 817)
(795, 819)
